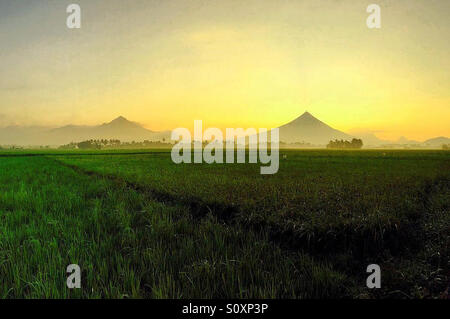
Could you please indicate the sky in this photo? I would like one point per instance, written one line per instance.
(230, 63)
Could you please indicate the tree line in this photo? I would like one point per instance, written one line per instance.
(355, 143)
(112, 144)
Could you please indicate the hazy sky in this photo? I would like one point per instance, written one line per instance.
(256, 63)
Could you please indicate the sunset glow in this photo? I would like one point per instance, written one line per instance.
(229, 63)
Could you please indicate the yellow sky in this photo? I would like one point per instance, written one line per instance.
(229, 63)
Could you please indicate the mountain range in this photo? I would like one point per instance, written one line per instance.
(308, 129)
(120, 128)
(304, 129)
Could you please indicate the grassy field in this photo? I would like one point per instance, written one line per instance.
(140, 226)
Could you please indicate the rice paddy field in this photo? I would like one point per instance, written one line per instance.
(140, 226)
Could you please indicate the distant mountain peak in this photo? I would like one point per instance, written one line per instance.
(122, 122)
(306, 119)
(120, 128)
(308, 128)
(119, 120)
(306, 115)
(438, 141)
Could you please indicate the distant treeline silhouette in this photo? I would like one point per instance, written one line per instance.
(105, 144)
(342, 144)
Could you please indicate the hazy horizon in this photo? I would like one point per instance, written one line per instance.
(260, 63)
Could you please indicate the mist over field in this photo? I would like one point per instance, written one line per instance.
(305, 131)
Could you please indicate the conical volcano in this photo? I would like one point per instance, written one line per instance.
(308, 129)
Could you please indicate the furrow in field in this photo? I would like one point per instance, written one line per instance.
(196, 206)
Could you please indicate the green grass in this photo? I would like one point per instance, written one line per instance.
(140, 226)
